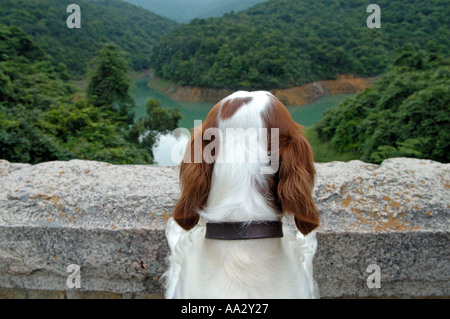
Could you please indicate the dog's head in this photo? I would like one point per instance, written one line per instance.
(287, 188)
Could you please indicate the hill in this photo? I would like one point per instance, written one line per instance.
(283, 43)
(184, 11)
(406, 113)
(133, 29)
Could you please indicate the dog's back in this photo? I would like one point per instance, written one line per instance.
(263, 268)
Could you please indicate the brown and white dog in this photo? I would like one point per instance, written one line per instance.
(246, 168)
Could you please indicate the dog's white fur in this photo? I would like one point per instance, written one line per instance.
(256, 268)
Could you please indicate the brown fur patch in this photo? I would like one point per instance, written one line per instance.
(195, 175)
(230, 107)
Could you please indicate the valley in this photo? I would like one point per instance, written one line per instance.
(361, 92)
(196, 109)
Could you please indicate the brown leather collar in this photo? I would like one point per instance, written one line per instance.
(243, 230)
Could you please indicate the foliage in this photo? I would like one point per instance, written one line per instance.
(43, 119)
(406, 113)
(108, 86)
(324, 151)
(157, 121)
(283, 43)
(102, 21)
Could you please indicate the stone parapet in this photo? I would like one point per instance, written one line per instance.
(110, 219)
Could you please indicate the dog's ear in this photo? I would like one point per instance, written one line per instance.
(296, 172)
(296, 181)
(195, 175)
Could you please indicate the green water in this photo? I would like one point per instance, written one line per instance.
(311, 113)
(191, 111)
(305, 115)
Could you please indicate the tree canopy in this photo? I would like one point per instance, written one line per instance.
(109, 84)
(283, 43)
(133, 29)
(42, 118)
(406, 112)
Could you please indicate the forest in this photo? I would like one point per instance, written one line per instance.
(405, 114)
(283, 43)
(133, 29)
(44, 116)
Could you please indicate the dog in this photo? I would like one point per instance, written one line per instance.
(244, 226)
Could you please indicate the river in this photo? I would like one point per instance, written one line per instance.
(306, 115)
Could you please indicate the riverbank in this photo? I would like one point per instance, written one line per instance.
(294, 96)
(145, 87)
(298, 95)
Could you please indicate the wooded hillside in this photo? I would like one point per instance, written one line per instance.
(283, 43)
(405, 114)
(133, 29)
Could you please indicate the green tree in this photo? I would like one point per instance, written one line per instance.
(109, 84)
(156, 121)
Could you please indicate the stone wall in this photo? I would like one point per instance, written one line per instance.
(110, 219)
